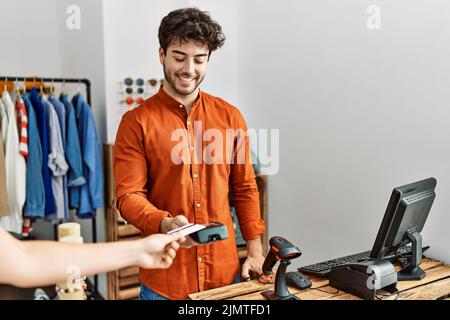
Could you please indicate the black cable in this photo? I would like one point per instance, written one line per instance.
(337, 291)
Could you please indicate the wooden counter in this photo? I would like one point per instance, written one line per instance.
(435, 285)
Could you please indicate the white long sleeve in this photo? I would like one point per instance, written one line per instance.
(15, 171)
(3, 124)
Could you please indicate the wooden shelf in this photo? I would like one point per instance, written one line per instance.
(124, 283)
(127, 294)
(129, 281)
(127, 230)
(128, 272)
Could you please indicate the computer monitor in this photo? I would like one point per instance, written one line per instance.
(402, 223)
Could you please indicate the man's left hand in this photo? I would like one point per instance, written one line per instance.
(254, 261)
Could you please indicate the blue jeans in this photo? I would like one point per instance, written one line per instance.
(148, 294)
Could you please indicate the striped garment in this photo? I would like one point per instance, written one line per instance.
(22, 124)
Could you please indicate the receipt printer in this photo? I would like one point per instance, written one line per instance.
(364, 278)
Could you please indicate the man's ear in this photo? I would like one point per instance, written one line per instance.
(161, 55)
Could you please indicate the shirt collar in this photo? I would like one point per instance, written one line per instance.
(168, 100)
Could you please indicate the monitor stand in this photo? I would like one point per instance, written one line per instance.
(412, 270)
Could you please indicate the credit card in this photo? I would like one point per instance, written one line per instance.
(187, 229)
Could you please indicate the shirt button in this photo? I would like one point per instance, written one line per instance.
(188, 122)
(192, 148)
(200, 259)
(198, 205)
(181, 106)
(195, 175)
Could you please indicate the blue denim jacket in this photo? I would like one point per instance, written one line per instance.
(50, 207)
(73, 155)
(91, 193)
(35, 194)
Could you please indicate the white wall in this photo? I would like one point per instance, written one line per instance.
(30, 44)
(359, 111)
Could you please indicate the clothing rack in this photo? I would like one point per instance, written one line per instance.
(87, 84)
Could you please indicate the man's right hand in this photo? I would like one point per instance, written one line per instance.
(168, 224)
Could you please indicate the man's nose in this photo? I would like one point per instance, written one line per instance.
(188, 67)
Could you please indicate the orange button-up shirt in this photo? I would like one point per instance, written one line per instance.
(167, 163)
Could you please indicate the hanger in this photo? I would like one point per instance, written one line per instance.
(63, 87)
(5, 83)
(79, 87)
(24, 86)
(42, 86)
(52, 89)
(18, 97)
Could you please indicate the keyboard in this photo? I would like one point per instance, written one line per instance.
(323, 268)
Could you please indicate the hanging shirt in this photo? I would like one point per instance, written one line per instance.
(91, 196)
(22, 123)
(75, 177)
(35, 200)
(15, 171)
(56, 159)
(3, 123)
(4, 205)
(61, 112)
(41, 114)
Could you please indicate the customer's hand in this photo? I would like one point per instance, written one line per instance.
(168, 224)
(159, 250)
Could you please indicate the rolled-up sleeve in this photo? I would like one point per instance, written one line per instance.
(130, 171)
(244, 187)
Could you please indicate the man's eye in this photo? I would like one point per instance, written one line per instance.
(179, 59)
(198, 61)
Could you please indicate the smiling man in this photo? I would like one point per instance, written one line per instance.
(158, 193)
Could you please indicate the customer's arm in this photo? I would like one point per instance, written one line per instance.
(36, 263)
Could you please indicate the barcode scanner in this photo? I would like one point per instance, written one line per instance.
(284, 251)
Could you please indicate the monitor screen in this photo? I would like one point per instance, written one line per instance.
(406, 213)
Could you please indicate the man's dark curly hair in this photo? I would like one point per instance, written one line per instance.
(190, 24)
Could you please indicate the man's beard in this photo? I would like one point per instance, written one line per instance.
(172, 82)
